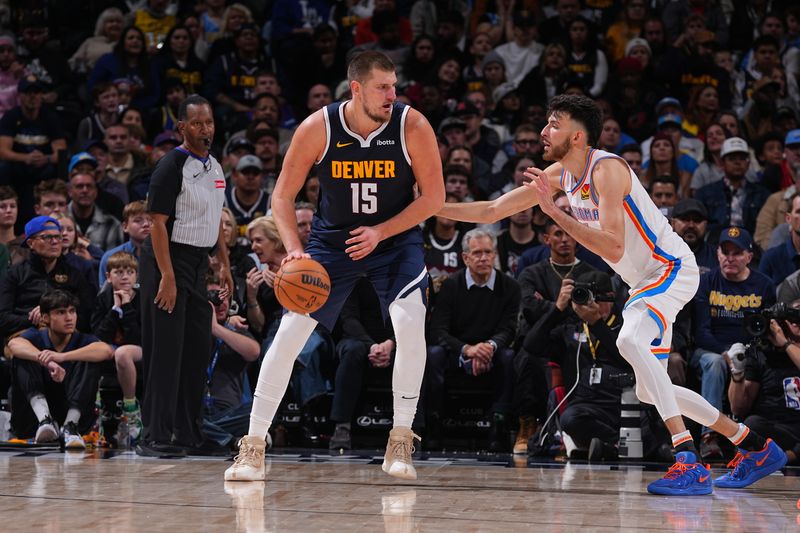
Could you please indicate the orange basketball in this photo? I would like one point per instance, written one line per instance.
(302, 286)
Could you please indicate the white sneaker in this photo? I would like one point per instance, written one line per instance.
(46, 432)
(248, 465)
(72, 438)
(397, 461)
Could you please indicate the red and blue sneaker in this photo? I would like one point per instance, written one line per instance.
(749, 467)
(686, 477)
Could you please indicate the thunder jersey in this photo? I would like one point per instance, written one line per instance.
(363, 182)
(650, 242)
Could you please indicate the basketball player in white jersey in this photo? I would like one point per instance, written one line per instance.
(616, 219)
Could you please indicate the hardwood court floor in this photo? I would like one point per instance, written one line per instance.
(55, 492)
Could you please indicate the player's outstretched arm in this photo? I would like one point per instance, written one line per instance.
(305, 149)
(506, 205)
(612, 183)
(486, 212)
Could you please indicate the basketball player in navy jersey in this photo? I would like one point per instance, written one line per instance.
(615, 218)
(380, 176)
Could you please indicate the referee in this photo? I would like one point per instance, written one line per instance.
(187, 192)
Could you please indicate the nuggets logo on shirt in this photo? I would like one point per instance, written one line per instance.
(732, 305)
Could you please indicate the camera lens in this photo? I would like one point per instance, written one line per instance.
(581, 295)
(755, 325)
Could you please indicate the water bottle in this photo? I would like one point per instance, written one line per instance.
(630, 427)
(123, 438)
(5, 420)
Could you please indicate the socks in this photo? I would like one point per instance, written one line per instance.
(73, 415)
(39, 405)
(129, 404)
(748, 440)
(682, 442)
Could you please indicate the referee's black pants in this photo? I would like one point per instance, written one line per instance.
(176, 347)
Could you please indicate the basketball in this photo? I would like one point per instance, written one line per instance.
(302, 286)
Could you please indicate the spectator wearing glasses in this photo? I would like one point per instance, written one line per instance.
(46, 269)
(526, 141)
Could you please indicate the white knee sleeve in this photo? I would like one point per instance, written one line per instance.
(276, 369)
(653, 385)
(408, 320)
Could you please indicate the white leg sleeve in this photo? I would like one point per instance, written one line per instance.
(653, 385)
(276, 369)
(408, 320)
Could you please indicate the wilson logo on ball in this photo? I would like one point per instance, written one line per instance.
(302, 285)
(308, 279)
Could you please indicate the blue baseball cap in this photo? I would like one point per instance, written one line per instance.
(39, 224)
(793, 137)
(81, 157)
(738, 236)
(670, 119)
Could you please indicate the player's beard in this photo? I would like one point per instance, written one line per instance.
(557, 153)
(380, 119)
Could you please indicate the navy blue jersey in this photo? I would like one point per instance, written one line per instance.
(363, 182)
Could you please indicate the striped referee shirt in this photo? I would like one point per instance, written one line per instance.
(190, 190)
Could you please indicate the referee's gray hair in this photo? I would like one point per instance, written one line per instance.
(477, 233)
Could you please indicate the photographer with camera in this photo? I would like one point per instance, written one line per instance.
(540, 285)
(765, 377)
(226, 414)
(724, 297)
(580, 333)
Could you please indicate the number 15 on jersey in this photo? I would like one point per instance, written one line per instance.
(365, 198)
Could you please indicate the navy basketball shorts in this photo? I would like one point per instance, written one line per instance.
(394, 272)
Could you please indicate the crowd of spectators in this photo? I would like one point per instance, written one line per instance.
(700, 98)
